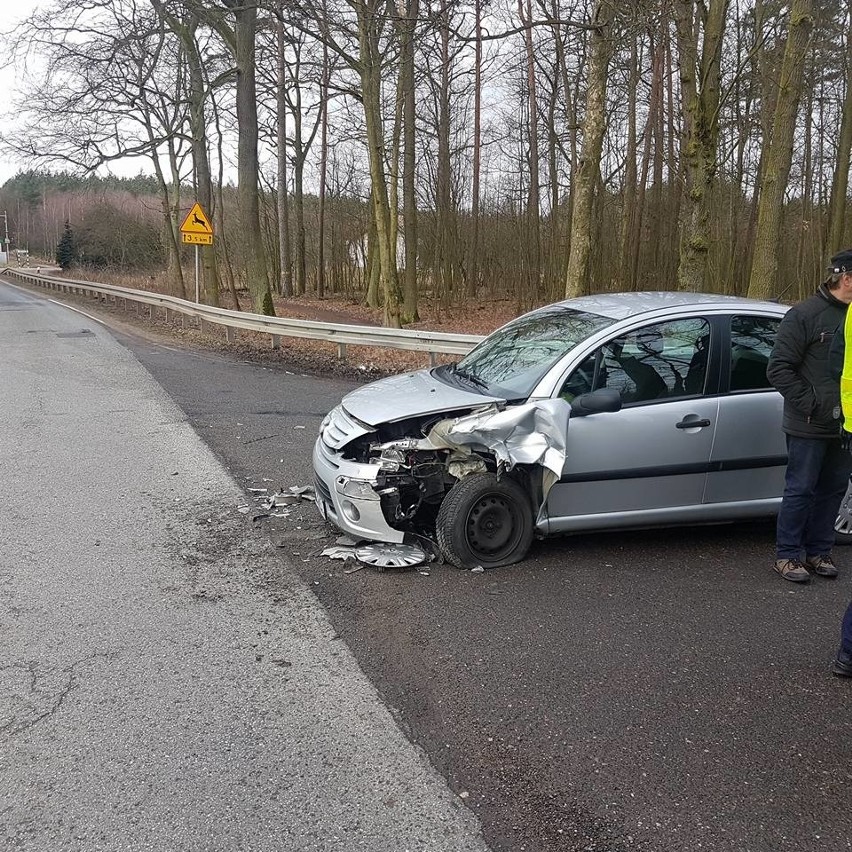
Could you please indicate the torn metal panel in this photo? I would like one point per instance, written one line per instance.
(533, 433)
(294, 494)
(339, 552)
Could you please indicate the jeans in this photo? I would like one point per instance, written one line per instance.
(817, 475)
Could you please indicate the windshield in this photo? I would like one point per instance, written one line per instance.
(511, 361)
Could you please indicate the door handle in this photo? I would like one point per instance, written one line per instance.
(686, 423)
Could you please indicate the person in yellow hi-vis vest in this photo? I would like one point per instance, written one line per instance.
(818, 467)
(840, 360)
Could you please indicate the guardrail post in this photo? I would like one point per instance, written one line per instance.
(183, 321)
(341, 351)
(432, 359)
(202, 326)
(230, 334)
(276, 341)
(168, 315)
(150, 312)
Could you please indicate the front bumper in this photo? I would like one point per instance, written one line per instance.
(346, 496)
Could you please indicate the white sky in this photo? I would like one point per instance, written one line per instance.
(9, 78)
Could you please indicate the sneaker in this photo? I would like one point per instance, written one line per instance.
(822, 565)
(842, 665)
(792, 570)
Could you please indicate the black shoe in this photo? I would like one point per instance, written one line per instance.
(842, 665)
(822, 565)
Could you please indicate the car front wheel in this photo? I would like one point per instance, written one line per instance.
(485, 522)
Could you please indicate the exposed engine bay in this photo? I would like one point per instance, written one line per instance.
(417, 461)
(412, 479)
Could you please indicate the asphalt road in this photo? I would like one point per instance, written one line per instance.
(166, 683)
(651, 691)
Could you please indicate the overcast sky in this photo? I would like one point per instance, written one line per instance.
(13, 12)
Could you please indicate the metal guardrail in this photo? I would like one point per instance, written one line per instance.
(431, 342)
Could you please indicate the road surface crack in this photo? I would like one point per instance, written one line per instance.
(34, 695)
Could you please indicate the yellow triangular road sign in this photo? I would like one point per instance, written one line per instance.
(196, 222)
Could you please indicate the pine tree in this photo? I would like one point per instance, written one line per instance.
(66, 248)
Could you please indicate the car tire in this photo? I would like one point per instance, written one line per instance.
(485, 522)
(843, 524)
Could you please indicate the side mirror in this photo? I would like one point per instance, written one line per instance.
(596, 402)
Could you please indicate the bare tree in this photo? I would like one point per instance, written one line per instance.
(840, 182)
(183, 22)
(109, 88)
(594, 127)
(238, 36)
(700, 80)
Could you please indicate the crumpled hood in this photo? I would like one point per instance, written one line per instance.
(410, 395)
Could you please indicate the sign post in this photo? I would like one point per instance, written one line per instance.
(196, 230)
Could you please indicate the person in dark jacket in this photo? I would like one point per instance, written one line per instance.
(817, 467)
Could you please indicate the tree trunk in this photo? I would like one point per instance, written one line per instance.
(372, 263)
(840, 181)
(780, 153)
(409, 164)
(445, 214)
(245, 23)
(473, 262)
(700, 85)
(299, 155)
(533, 212)
(283, 204)
(322, 175)
(594, 127)
(628, 190)
(370, 68)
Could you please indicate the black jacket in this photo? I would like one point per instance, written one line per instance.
(799, 366)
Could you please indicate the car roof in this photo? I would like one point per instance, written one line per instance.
(618, 306)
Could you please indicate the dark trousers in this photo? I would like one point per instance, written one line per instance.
(846, 632)
(817, 476)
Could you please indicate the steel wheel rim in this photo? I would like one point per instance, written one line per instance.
(493, 526)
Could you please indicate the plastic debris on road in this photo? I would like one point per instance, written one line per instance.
(337, 552)
(385, 555)
(278, 504)
(378, 554)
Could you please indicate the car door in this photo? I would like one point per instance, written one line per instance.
(749, 455)
(648, 462)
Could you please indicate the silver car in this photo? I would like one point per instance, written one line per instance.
(603, 412)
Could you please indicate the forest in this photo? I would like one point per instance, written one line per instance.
(464, 150)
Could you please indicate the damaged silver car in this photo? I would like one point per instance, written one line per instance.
(603, 412)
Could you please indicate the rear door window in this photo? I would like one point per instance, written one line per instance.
(752, 339)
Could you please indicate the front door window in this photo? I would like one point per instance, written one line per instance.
(667, 360)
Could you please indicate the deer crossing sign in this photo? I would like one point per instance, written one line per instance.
(196, 228)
